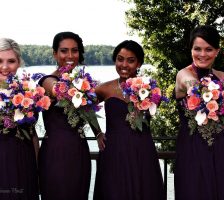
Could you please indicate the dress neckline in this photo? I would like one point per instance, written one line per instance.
(116, 98)
(202, 72)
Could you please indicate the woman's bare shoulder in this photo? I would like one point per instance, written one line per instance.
(105, 85)
(219, 74)
(104, 89)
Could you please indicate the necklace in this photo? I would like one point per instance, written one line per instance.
(120, 88)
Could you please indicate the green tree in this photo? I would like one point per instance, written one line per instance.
(98, 54)
(42, 55)
(164, 27)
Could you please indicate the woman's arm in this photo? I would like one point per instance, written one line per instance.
(49, 84)
(100, 136)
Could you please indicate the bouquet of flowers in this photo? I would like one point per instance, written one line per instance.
(20, 102)
(145, 96)
(75, 92)
(205, 108)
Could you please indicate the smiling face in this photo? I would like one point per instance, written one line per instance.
(67, 53)
(203, 54)
(9, 63)
(126, 64)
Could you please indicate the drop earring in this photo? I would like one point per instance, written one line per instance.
(137, 70)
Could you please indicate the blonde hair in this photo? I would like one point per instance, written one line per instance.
(9, 44)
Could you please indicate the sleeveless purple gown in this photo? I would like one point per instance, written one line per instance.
(199, 170)
(64, 159)
(18, 168)
(128, 168)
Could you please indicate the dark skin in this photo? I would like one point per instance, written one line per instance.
(66, 53)
(126, 66)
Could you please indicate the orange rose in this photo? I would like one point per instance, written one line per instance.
(62, 87)
(212, 106)
(44, 102)
(156, 91)
(137, 81)
(84, 102)
(17, 99)
(28, 94)
(193, 102)
(71, 91)
(85, 85)
(146, 86)
(133, 98)
(26, 102)
(39, 90)
(213, 116)
(145, 104)
(215, 94)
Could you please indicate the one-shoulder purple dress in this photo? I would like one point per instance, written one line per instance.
(18, 168)
(199, 169)
(64, 159)
(128, 167)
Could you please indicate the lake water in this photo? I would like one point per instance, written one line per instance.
(101, 73)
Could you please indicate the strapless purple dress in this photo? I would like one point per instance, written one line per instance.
(199, 169)
(128, 168)
(64, 159)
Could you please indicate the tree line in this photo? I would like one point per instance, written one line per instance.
(36, 55)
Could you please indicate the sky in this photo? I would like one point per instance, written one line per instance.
(98, 22)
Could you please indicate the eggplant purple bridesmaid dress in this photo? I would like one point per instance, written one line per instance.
(64, 159)
(199, 170)
(128, 168)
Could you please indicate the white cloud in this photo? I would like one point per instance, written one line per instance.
(36, 22)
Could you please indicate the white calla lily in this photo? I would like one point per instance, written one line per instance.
(213, 86)
(78, 83)
(207, 96)
(77, 99)
(143, 93)
(200, 117)
(18, 115)
(2, 104)
(152, 109)
(6, 92)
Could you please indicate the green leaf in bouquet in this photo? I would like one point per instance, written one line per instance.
(63, 103)
(130, 107)
(138, 121)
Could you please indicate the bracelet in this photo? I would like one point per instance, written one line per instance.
(99, 134)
